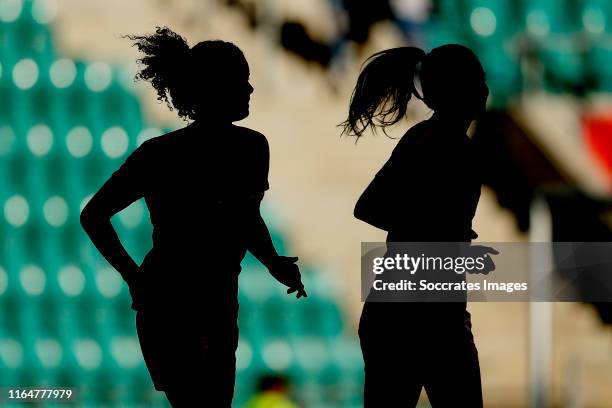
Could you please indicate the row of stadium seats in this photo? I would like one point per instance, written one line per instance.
(74, 294)
(91, 92)
(82, 360)
(568, 43)
(24, 31)
(504, 18)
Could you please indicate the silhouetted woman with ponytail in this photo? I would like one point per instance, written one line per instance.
(426, 192)
(203, 185)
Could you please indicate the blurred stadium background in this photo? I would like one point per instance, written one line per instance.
(70, 113)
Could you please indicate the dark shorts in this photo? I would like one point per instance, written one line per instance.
(408, 346)
(186, 351)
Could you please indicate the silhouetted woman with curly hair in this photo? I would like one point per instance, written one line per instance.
(203, 185)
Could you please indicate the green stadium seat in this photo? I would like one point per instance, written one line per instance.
(596, 16)
(123, 109)
(541, 18)
(448, 13)
(438, 33)
(491, 21)
(10, 360)
(563, 65)
(551, 27)
(279, 313)
(25, 38)
(599, 60)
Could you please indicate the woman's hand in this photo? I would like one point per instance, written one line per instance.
(284, 270)
(482, 251)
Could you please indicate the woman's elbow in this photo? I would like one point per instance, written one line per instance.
(90, 217)
(87, 218)
(370, 217)
(362, 212)
(358, 212)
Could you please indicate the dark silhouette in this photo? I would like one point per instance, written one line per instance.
(426, 192)
(295, 38)
(203, 185)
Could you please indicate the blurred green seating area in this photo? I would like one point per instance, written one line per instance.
(555, 45)
(65, 317)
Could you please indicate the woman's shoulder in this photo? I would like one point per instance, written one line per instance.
(419, 133)
(415, 137)
(430, 134)
(250, 137)
(159, 143)
(178, 140)
(248, 132)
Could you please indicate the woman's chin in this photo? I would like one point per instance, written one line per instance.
(241, 115)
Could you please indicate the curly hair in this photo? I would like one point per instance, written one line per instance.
(165, 52)
(176, 71)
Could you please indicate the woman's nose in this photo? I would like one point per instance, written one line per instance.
(250, 87)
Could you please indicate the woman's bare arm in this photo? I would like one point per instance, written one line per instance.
(96, 221)
(260, 241)
(260, 244)
(125, 186)
(368, 208)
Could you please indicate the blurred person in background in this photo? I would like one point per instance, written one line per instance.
(354, 20)
(272, 392)
(427, 191)
(203, 185)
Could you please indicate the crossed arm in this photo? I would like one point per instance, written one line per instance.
(380, 205)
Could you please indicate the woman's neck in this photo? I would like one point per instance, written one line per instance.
(452, 121)
(202, 124)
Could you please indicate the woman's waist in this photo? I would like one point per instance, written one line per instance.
(421, 313)
(179, 253)
(174, 273)
(180, 293)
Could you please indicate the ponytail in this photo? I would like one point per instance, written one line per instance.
(165, 53)
(383, 90)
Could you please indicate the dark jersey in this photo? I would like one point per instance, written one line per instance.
(429, 188)
(199, 184)
(427, 191)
